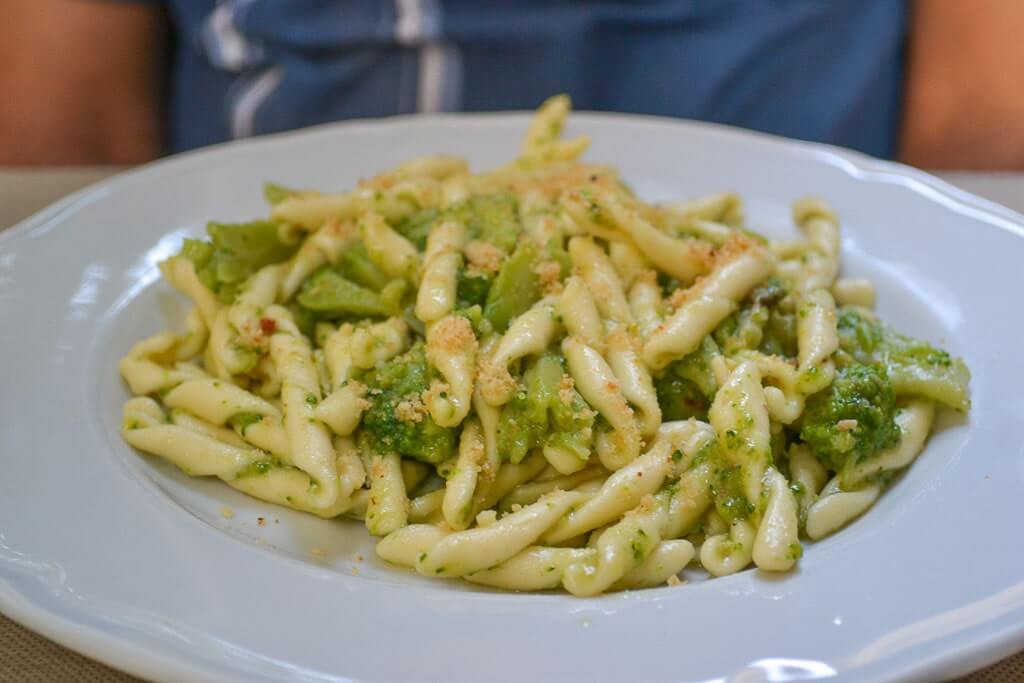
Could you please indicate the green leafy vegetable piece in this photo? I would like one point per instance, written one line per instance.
(515, 288)
(355, 265)
(255, 244)
(330, 295)
(235, 252)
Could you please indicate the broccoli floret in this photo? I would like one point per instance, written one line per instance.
(409, 431)
(915, 367)
(547, 411)
(853, 417)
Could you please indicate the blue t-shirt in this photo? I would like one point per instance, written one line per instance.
(828, 70)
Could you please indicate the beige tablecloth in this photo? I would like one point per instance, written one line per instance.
(26, 657)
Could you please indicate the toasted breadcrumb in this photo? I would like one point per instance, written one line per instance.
(673, 580)
(550, 275)
(483, 259)
(411, 409)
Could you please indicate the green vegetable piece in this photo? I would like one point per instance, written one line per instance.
(355, 265)
(471, 291)
(330, 295)
(275, 194)
(234, 253)
(515, 289)
(915, 367)
(390, 430)
(492, 218)
(255, 243)
(745, 328)
(545, 413)
(688, 385)
(416, 226)
(853, 417)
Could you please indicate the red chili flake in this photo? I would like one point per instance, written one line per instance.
(268, 325)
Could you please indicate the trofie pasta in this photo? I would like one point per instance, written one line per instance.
(531, 379)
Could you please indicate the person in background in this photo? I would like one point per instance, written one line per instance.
(934, 83)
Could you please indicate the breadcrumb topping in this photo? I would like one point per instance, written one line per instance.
(483, 259)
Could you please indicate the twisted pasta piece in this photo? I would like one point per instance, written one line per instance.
(452, 349)
(388, 506)
(740, 265)
(155, 364)
(320, 248)
(462, 483)
(390, 251)
(682, 258)
(817, 339)
(776, 545)
(436, 295)
(531, 333)
(821, 263)
(180, 272)
(593, 266)
(645, 303)
(601, 390)
(464, 552)
(622, 491)
(375, 343)
(543, 143)
(579, 313)
(635, 381)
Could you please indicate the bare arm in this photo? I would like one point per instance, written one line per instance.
(80, 82)
(964, 105)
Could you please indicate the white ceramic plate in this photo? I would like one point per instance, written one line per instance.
(126, 560)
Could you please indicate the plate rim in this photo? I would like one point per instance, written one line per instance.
(132, 654)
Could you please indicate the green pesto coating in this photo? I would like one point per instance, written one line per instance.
(859, 392)
(915, 367)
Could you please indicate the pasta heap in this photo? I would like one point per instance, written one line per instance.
(531, 379)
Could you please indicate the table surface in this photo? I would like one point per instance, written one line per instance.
(26, 657)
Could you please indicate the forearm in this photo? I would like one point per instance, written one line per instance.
(81, 83)
(964, 105)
